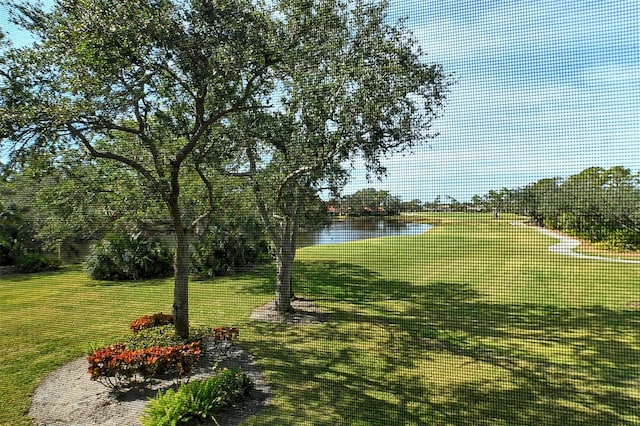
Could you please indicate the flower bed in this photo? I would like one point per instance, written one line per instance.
(153, 350)
(116, 366)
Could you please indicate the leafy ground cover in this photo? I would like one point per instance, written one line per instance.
(474, 322)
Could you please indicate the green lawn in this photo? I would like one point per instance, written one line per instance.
(472, 323)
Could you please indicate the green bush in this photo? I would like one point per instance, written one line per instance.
(621, 240)
(165, 335)
(35, 262)
(132, 257)
(224, 252)
(198, 399)
(6, 253)
(16, 235)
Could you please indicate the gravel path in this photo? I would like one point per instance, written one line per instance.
(566, 245)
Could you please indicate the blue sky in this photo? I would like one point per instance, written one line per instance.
(544, 89)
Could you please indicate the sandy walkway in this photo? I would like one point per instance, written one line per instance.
(566, 245)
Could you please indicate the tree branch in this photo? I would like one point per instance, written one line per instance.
(262, 206)
(175, 77)
(112, 126)
(291, 176)
(77, 134)
(209, 186)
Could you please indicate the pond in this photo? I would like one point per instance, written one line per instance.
(342, 231)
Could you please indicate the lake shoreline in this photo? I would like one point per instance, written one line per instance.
(347, 229)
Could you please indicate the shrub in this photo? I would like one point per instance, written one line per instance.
(197, 400)
(128, 258)
(621, 240)
(225, 252)
(16, 234)
(35, 262)
(165, 335)
(225, 333)
(6, 253)
(149, 321)
(116, 366)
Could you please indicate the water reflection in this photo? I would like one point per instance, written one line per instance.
(343, 231)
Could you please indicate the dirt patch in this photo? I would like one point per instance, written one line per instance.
(634, 304)
(305, 312)
(68, 396)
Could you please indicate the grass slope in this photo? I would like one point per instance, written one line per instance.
(474, 322)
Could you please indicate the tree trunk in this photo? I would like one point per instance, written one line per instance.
(181, 274)
(284, 289)
(284, 236)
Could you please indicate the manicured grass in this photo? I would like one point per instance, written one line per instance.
(474, 322)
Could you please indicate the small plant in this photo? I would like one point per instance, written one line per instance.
(149, 321)
(223, 338)
(197, 400)
(225, 333)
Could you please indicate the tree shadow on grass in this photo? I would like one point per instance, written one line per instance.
(547, 364)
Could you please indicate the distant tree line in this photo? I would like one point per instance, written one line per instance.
(366, 202)
(599, 205)
(372, 202)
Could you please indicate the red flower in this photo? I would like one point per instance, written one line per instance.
(149, 321)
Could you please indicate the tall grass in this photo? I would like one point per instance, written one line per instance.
(474, 322)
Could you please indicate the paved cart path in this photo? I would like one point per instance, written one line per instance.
(566, 245)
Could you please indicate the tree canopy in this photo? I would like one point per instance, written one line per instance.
(285, 94)
(351, 85)
(139, 83)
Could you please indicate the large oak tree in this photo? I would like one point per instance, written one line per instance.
(141, 83)
(351, 87)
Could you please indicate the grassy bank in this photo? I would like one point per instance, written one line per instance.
(474, 322)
